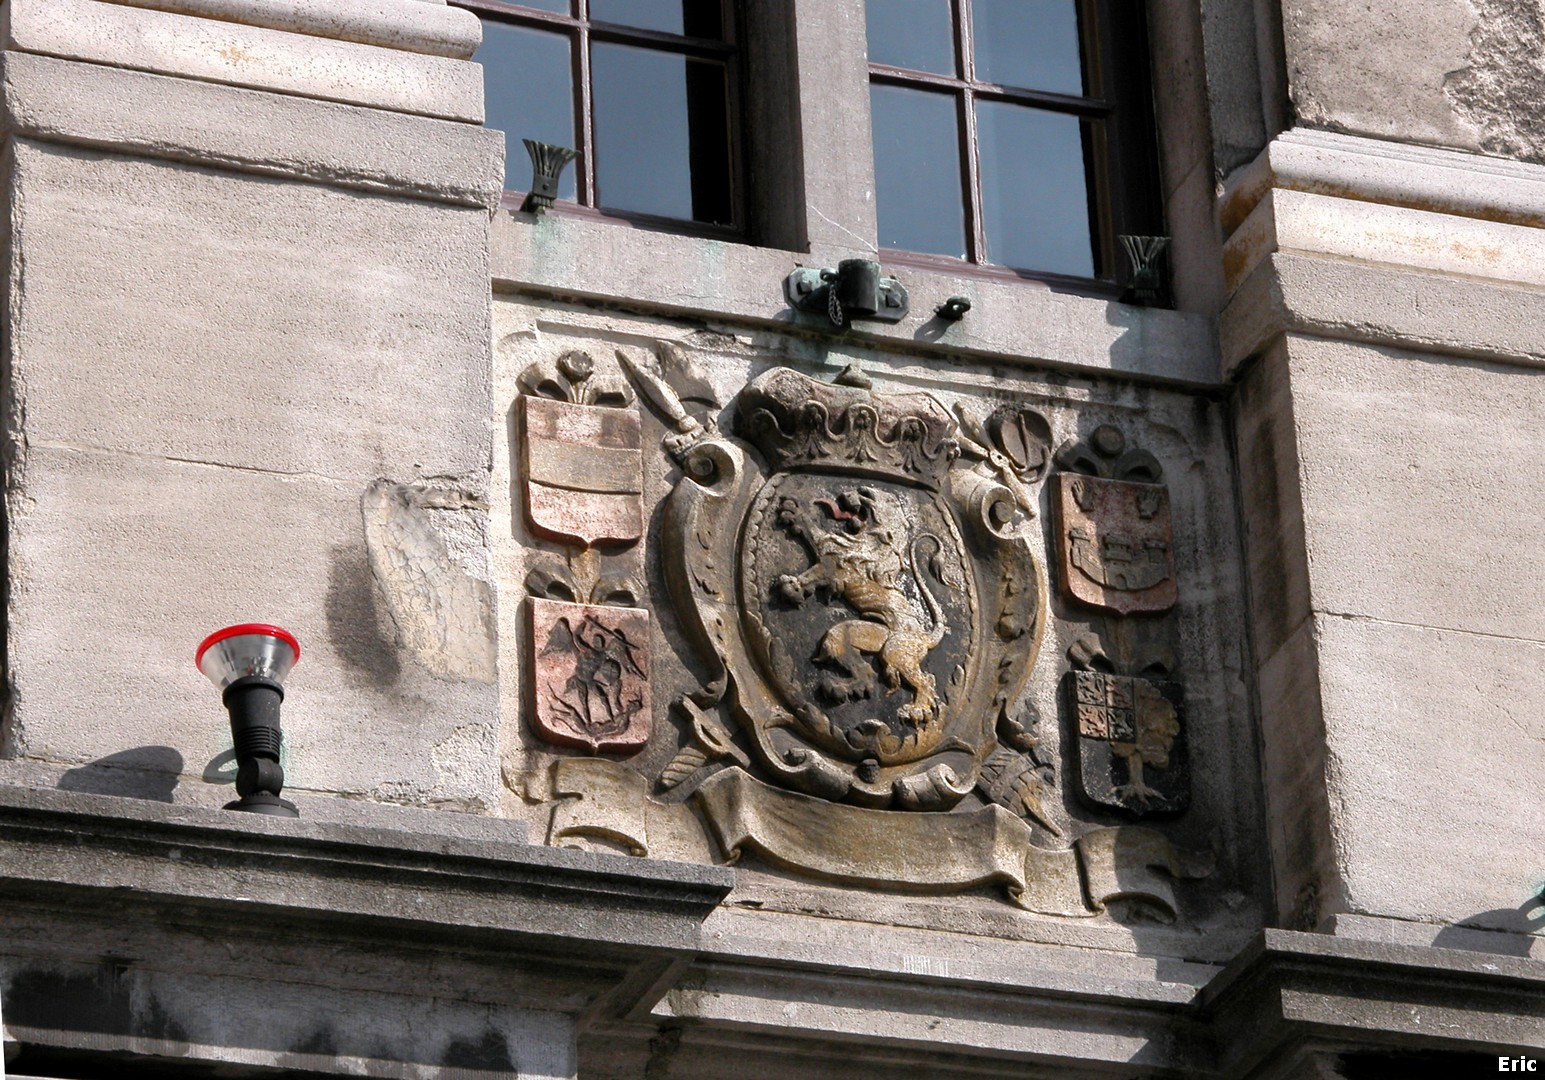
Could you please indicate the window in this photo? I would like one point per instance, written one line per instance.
(645, 90)
(1015, 133)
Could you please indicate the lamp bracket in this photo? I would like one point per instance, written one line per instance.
(854, 290)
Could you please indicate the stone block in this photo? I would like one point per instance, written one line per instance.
(1243, 79)
(120, 563)
(1382, 70)
(185, 313)
(1295, 765)
(1382, 305)
(229, 52)
(1421, 487)
(1435, 745)
(1271, 507)
(232, 127)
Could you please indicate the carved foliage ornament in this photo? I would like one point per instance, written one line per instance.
(862, 592)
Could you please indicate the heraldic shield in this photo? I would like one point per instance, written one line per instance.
(870, 607)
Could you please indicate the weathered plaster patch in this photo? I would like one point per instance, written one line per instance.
(1379, 69)
(461, 762)
(427, 545)
(461, 775)
(1501, 89)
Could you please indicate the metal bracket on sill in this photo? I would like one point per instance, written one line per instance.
(855, 290)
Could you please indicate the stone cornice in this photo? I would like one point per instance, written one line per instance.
(421, 26)
(1396, 174)
(65, 842)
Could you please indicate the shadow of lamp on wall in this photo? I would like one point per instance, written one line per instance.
(248, 664)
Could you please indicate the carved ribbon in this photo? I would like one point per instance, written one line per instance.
(909, 852)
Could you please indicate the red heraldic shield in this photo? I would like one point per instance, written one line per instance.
(584, 471)
(590, 675)
(1115, 544)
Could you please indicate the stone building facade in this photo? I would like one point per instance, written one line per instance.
(704, 678)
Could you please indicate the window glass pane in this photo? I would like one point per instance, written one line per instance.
(562, 7)
(917, 171)
(917, 34)
(661, 133)
(529, 95)
(695, 18)
(1035, 203)
(1029, 43)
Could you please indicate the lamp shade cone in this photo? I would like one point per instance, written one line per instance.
(247, 649)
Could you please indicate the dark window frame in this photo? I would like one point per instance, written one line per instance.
(581, 30)
(1120, 164)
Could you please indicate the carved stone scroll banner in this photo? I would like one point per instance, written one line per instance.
(590, 678)
(1115, 542)
(925, 853)
(584, 471)
(1122, 864)
(937, 854)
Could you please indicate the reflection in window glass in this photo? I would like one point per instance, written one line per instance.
(562, 7)
(916, 179)
(1030, 43)
(528, 95)
(694, 18)
(1035, 205)
(915, 34)
(661, 133)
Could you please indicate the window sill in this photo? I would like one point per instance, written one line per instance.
(570, 257)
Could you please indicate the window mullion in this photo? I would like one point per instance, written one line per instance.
(976, 234)
(582, 96)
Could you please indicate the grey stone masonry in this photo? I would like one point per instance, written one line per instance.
(175, 932)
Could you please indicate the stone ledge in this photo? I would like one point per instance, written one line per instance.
(210, 50)
(432, 27)
(1343, 300)
(570, 257)
(1393, 236)
(1399, 174)
(1102, 1024)
(1285, 992)
(54, 839)
(231, 127)
(1291, 989)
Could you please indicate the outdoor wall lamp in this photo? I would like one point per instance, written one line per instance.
(248, 663)
(857, 289)
(547, 164)
(1146, 255)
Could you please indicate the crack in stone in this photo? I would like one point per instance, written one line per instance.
(87, 448)
(1354, 617)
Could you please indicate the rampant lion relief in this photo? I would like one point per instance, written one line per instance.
(861, 556)
(858, 573)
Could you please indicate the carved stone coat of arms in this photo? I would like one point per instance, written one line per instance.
(869, 609)
(857, 575)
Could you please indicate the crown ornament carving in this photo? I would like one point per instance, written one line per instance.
(796, 422)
